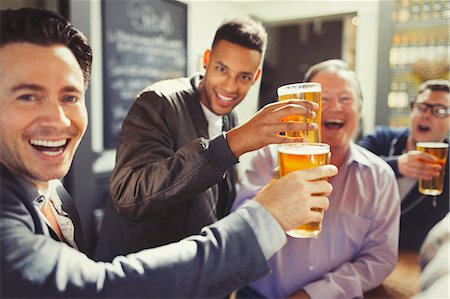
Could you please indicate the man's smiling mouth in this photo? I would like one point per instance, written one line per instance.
(334, 123)
(49, 147)
(224, 98)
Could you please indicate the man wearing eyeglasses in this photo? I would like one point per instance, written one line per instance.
(429, 121)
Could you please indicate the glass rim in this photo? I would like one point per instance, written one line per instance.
(304, 147)
(299, 87)
(431, 144)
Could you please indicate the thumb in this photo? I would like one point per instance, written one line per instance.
(319, 172)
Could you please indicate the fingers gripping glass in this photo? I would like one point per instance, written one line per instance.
(437, 110)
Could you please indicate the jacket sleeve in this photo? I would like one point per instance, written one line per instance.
(379, 143)
(152, 171)
(377, 256)
(224, 257)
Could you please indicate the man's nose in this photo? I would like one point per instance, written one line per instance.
(230, 84)
(55, 115)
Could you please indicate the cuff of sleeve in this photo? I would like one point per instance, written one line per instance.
(268, 231)
(317, 290)
(220, 154)
(326, 288)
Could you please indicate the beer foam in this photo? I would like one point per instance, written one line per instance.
(432, 144)
(304, 148)
(299, 87)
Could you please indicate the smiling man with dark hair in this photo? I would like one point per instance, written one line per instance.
(180, 142)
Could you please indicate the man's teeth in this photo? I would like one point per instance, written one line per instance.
(52, 153)
(225, 99)
(48, 143)
(335, 121)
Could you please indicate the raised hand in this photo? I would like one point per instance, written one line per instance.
(418, 165)
(264, 127)
(293, 200)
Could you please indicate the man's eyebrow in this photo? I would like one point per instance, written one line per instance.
(70, 88)
(27, 86)
(221, 63)
(242, 73)
(35, 87)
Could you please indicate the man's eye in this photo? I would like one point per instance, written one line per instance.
(421, 107)
(70, 99)
(440, 110)
(346, 99)
(27, 97)
(246, 78)
(220, 68)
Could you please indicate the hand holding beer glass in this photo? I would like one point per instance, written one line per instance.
(298, 156)
(304, 91)
(310, 153)
(435, 186)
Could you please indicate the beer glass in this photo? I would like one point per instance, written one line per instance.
(305, 91)
(435, 186)
(297, 156)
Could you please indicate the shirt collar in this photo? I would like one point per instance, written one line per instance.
(354, 155)
(41, 198)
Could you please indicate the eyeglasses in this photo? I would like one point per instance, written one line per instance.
(438, 110)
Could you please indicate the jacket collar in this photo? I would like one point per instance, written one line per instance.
(398, 144)
(12, 185)
(195, 109)
(10, 181)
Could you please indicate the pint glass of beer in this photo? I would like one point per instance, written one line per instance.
(304, 91)
(297, 156)
(434, 186)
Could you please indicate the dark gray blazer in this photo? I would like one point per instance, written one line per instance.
(224, 257)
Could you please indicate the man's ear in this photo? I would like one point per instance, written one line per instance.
(206, 58)
(258, 72)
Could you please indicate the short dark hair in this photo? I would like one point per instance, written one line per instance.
(45, 28)
(434, 85)
(244, 32)
(333, 66)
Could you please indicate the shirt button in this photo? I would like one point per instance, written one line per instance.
(311, 268)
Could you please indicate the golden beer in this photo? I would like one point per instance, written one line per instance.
(297, 156)
(303, 91)
(435, 186)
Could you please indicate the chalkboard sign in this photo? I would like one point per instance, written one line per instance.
(144, 41)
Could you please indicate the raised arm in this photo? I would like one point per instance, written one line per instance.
(154, 174)
(225, 256)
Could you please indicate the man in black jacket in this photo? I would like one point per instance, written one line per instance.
(165, 186)
(429, 121)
